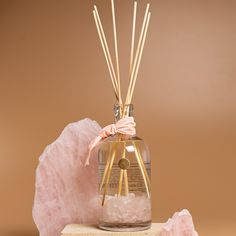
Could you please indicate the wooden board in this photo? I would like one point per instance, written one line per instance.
(90, 230)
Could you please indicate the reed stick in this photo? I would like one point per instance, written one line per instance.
(105, 171)
(106, 50)
(139, 58)
(106, 56)
(121, 173)
(108, 175)
(116, 51)
(132, 38)
(126, 182)
(120, 182)
(128, 100)
(142, 171)
(143, 165)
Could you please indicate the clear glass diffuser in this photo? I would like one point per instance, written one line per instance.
(124, 181)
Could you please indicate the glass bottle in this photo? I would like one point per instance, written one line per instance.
(124, 180)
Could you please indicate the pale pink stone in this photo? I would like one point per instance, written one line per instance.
(181, 224)
(66, 190)
(130, 208)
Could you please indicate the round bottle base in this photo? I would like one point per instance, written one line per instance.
(125, 227)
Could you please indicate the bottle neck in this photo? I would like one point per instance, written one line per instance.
(121, 111)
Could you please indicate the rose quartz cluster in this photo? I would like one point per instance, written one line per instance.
(181, 224)
(66, 190)
(123, 209)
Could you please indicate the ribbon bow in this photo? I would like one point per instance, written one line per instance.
(123, 126)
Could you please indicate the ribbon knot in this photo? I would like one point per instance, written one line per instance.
(123, 126)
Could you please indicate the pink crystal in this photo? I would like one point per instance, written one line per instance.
(181, 224)
(123, 209)
(66, 190)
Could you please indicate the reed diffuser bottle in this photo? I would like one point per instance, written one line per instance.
(124, 180)
(124, 161)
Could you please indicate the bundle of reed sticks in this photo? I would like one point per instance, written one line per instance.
(114, 72)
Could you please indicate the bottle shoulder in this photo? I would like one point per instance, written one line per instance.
(132, 145)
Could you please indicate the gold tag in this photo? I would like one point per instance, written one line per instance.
(124, 163)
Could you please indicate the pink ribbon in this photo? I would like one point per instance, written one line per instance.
(123, 126)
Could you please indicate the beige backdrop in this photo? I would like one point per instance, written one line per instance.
(52, 72)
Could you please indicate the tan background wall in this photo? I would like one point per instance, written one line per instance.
(52, 72)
